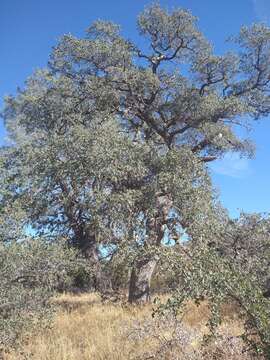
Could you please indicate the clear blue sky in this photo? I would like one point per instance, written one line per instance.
(29, 29)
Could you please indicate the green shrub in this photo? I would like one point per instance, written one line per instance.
(31, 272)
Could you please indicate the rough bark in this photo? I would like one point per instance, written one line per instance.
(267, 289)
(140, 280)
(143, 269)
(89, 248)
(84, 236)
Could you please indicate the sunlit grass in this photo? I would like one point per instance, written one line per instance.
(88, 329)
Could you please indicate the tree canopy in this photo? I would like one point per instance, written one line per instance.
(110, 145)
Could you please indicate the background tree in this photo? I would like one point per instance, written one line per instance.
(71, 182)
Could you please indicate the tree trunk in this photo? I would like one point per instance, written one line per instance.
(85, 241)
(142, 271)
(266, 292)
(140, 280)
(84, 235)
(91, 253)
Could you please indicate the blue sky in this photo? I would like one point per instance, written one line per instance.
(29, 29)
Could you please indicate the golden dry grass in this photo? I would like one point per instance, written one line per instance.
(87, 329)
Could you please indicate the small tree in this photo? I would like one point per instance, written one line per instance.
(31, 272)
(204, 274)
(246, 242)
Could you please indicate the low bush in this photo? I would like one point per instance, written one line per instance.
(31, 272)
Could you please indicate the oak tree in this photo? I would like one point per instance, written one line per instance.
(112, 142)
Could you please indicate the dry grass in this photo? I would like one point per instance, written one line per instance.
(87, 329)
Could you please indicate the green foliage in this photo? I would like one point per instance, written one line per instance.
(246, 241)
(80, 277)
(204, 275)
(108, 126)
(109, 149)
(31, 272)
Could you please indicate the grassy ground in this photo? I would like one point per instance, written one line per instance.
(86, 328)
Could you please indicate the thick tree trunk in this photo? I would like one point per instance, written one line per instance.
(91, 253)
(84, 236)
(142, 271)
(85, 241)
(140, 280)
(266, 292)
